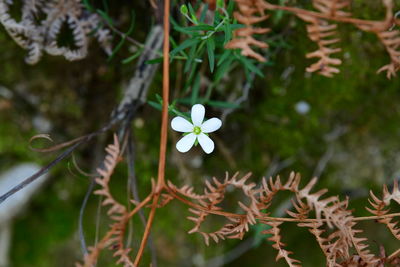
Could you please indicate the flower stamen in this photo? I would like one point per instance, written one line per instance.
(197, 130)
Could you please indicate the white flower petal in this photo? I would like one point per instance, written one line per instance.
(197, 114)
(186, 143)
(206, 143)
(211, 125)
(180, 124)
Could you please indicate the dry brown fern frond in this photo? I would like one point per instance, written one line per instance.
(362, 249)
(335, 214)
(333, 7)
(302, 210)
(214, 194)
(234, 230)
(327, 218)
(381, 207)
(278, 245)
(115, 236)
(269, 188)
(321, 32)
(391, 41)
(186, 191)
(330, 212)
(336, 246)
(356, 261)
(250, 12)
(331, 245)
(330, 209)
(43, 36)
(389, 37)
(111, 160)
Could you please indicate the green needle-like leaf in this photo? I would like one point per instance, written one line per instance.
(210, 51)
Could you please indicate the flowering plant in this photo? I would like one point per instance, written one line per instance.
(196, 131)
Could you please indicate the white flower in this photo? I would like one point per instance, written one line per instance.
(197, 130)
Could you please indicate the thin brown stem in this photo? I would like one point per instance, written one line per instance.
(147, 229)
(140, 205)
(164, 131)
(164, 118)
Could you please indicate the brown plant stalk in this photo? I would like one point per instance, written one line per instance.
(164, 131)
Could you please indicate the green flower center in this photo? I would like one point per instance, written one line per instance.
(197, 130)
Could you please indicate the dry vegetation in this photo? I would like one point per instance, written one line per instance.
(320, 214)
(321, 30)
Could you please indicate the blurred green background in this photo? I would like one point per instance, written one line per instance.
(343, 129)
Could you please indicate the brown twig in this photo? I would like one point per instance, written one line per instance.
(164, 131)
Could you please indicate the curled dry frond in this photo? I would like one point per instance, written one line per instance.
(335, 214)
(327, 218)
(43, 36)
(331, 209)
(214, 194)
(329, 213)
